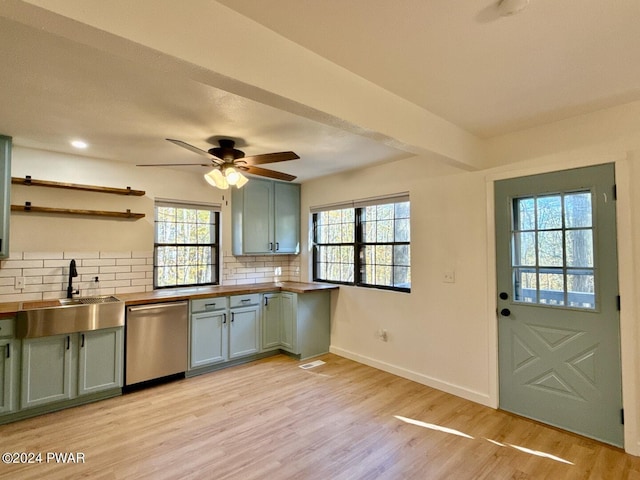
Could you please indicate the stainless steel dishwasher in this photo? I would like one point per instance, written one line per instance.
(156, 341)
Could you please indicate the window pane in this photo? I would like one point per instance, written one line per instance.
(525, 285)
(581, 289)
(402, 231)
(401, 255)
(549, 212)
(550, 249)
(579, 248)
(384, 231)
(402, 277)
(402, 210)
(551, 287)
(524, 210)
(577, 210)
(524, 245)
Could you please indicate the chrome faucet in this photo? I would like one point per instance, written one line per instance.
(72, 273)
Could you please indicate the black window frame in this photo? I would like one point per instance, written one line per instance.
(215, 245)
(358, 247)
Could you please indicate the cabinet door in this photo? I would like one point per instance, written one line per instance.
(7, 384)
(271, 321)
(288, 330)
(257, 221)
(244, 330)
(5, 194)
(46, 370)
(287, 217)
(208, 338)
(100, 357)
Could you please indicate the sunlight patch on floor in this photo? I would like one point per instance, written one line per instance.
(452, 431)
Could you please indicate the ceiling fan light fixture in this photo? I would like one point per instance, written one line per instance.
(242, 181)
(216, 179)
(232, 175)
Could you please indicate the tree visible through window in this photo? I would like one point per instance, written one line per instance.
(186, 245)
(366, 245)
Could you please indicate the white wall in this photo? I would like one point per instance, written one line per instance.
(443, 334)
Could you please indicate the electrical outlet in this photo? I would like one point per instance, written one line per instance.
(449, 276)
(19, 282)
(383, 335)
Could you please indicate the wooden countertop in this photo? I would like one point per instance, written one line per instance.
(174, 294)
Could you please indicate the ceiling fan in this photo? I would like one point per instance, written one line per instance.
(228, 163)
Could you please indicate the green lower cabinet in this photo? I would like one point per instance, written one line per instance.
(8, 376)
(208, 338)
(100, 357)
(244, 331)
(288, 325)
(46, 370)
(63, 367)
(271, 321)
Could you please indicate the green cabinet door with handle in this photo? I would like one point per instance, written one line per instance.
(100, 356)
(46, 370)
(8, 357)
(208, 338)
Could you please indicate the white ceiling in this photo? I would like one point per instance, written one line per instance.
(487, 74)
(462, 61)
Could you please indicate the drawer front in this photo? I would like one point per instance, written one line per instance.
(6, 327)
(245, 300)
(209, 304)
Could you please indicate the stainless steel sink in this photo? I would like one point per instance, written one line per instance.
(80, 314)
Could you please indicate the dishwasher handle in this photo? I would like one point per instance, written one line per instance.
(151, 306)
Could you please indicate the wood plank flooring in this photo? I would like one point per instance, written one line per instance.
(272, 420)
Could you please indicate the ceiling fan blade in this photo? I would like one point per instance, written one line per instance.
(197, 150)
(270, 158)
(174, 164)
(182, 144)
(263, 172)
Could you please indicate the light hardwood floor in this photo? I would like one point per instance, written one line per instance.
(272, 420)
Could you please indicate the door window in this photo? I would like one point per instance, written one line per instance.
(552, 250)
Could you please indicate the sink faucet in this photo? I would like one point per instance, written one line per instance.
(72, 273)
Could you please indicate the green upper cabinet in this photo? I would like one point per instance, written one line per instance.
(5, 194)
(266, 218)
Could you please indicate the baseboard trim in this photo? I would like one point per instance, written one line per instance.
(456, 390)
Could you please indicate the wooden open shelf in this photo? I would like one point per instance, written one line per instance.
(71, 211)
(28, 181)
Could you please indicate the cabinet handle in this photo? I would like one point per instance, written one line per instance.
(266, 301)
(224, 318)
(82, 341)
(209, 305)
(244, 300)
(232, 315)
(8, 350)
(270, 246)
(277, 246)
(68, 342)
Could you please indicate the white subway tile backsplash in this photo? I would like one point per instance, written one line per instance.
(46, 273)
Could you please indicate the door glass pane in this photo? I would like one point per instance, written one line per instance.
(577, 210)
(549, 212)
(551, 287)
(580, 289)
(550, 248)
(579, 248)
(552, 252)
(524, 244)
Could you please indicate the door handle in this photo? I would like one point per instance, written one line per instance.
(504, 295)
(505, 312)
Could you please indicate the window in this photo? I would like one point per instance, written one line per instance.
(187, 238)
(552, 250)
(366, 244)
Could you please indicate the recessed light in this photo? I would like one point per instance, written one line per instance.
(79, 144)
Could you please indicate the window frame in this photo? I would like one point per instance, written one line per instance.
(215, 245)
(358, 244)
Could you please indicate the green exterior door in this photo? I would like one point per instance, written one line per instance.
(558, 319)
